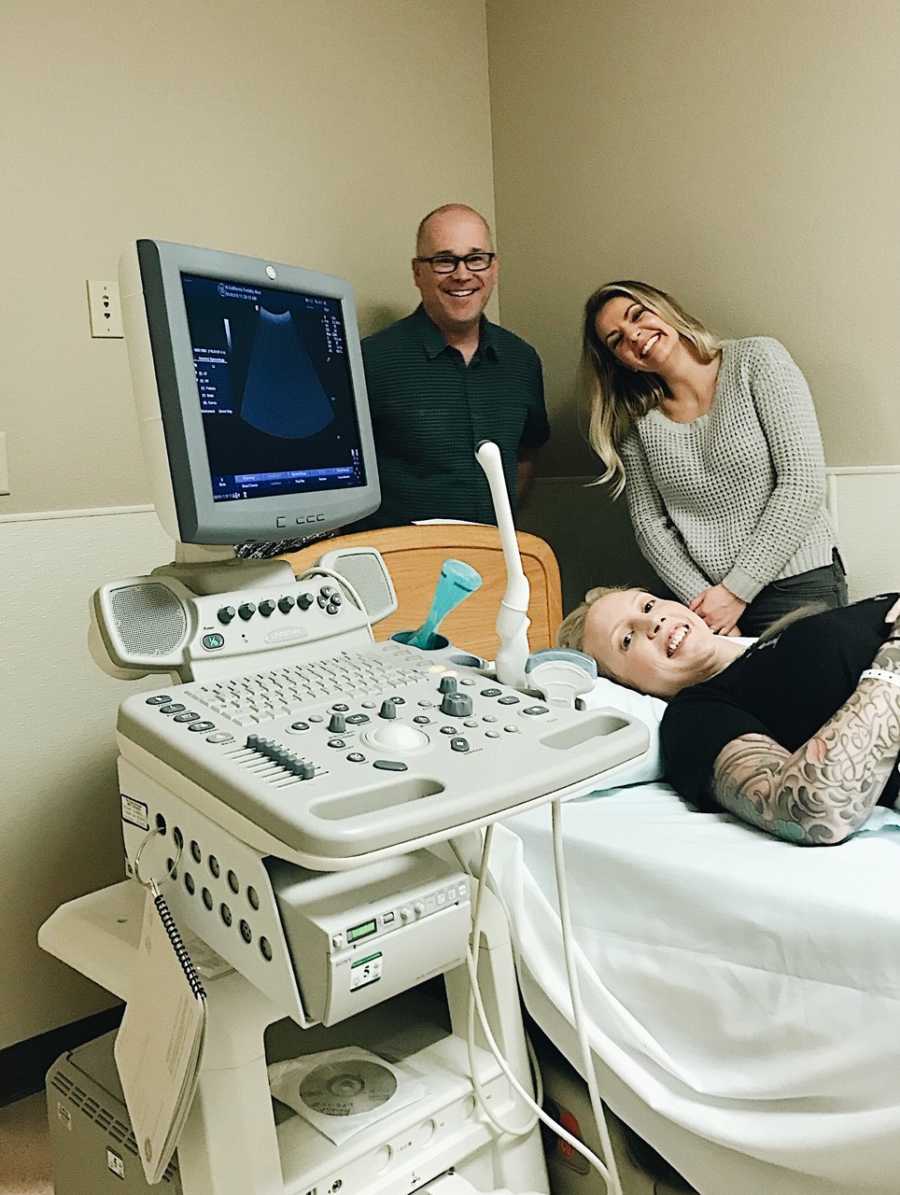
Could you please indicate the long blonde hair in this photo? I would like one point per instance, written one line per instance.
(617, 396)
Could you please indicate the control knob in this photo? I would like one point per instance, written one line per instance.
(286, 604)
(388, 709)
(448, 684)
(246, 610)
(456, 705)
(266, 607)
(304, 601)
(226, 614)
(337, 724)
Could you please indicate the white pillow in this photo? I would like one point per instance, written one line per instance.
(648, 710)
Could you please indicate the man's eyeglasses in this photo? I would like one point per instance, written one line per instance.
(446, 263)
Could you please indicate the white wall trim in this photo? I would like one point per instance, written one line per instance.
(862, 501)
(104, 511)
(41, 516)
(848, 469)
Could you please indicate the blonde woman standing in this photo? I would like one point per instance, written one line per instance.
(717, 447)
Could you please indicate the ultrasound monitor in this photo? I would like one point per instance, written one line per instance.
(251, 395)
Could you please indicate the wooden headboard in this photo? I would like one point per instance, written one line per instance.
(414, 556)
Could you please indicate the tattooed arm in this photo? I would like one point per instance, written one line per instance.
(824, 791)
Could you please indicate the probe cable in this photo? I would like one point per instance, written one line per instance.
(608, 1173)
(611, 1173)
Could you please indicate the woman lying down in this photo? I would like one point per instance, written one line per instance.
(797, 733)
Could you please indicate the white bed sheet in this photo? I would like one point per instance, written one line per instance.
(746, 990)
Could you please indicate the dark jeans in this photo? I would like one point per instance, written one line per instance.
(827, 585)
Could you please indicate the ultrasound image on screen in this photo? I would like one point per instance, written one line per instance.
(275, 389)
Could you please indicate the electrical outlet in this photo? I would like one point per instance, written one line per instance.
(106, 314)
(4, 465)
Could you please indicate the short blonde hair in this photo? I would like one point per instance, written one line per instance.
(571, 629)
(616, 395)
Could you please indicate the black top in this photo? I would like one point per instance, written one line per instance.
(430, 411)
(786, 687)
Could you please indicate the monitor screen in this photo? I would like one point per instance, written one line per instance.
(274, 388)
(249, 381)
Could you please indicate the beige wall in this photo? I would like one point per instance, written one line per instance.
(311, 133)
(743, 154)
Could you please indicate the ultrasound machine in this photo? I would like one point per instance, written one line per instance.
(291, 783)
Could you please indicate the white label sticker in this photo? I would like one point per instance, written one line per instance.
(115, 1164)
(64, 1115)
(135, 812)
(366, 971)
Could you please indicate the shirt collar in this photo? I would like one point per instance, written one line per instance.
(433, 339)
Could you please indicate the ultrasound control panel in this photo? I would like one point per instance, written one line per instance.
(336, 747)
(357, 750)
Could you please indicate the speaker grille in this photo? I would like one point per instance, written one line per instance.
(365, 575)
(149, 619)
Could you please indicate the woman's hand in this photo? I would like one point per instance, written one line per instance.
(719, 609)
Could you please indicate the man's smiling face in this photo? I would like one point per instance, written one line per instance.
(454, 301)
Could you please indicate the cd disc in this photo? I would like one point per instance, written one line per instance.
(347, 1088)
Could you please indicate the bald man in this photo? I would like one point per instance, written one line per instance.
(445, 378)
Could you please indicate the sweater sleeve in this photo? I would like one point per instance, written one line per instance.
(785, 410)
(657, 537)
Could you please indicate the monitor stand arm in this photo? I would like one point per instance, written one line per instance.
(214, 568)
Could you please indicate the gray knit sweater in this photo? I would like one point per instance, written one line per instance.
(738, 495)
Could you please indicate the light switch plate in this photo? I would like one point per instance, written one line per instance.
(106, 314)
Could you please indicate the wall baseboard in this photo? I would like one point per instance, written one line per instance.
(24, 1066)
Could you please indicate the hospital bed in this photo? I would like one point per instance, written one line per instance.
(743, 993)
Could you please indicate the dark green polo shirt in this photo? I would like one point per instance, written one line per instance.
(430, 411)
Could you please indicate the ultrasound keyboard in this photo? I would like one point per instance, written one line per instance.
(358, 751)
(251, 700)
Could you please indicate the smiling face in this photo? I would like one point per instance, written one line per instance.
(635, 335)
(651, 644)
(454, 301)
